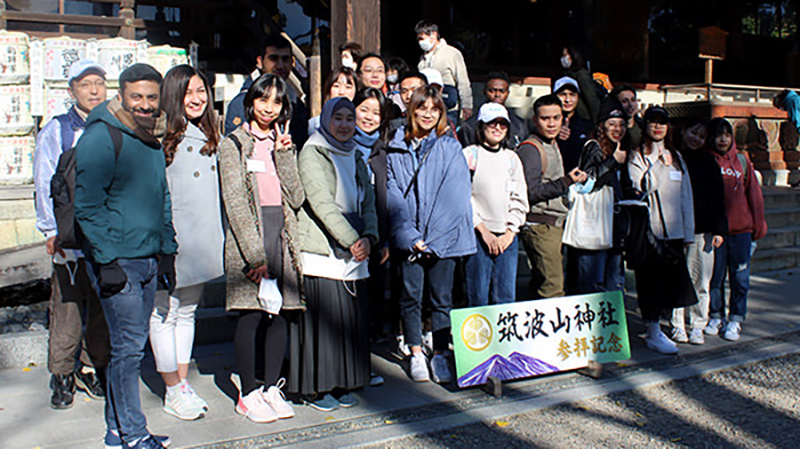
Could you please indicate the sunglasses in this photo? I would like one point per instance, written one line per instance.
(498, 123)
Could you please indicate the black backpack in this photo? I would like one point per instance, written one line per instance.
(62, 191)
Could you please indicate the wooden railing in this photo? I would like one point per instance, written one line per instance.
(126, 21)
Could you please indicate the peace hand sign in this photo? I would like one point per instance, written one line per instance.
(283, 140)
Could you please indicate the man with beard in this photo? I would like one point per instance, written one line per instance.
(575, 130)
(122, 205)
(277, 60)
(496, 91)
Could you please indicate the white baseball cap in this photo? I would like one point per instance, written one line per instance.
(492, 111)
(565, 82)
(433, 76)
(79, 69)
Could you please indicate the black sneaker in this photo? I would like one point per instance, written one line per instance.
(90, 383)
(63, 387)
(147, 442)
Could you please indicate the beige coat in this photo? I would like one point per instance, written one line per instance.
(244, 242)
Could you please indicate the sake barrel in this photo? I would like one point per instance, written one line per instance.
(15, 66)
(165, 57)
(56, 101)
(59, 55)
(15, 110)
(16, 159)
(115, 55)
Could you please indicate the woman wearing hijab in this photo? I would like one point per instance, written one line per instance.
(338, 227)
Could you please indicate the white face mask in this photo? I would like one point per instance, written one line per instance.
(426, 45)
(566, 61)
(391, 79)
(348, 62)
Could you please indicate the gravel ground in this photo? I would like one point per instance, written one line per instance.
(752, 406)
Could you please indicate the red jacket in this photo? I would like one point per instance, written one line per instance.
(744, 203)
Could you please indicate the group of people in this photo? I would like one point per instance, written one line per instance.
(395, 183)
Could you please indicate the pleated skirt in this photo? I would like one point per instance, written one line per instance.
(329, 342)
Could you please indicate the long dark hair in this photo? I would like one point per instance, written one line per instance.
(262, 88)
(371, 92)
(173, 92)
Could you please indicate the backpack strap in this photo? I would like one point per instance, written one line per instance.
(745, 168)
(116, 139)
(537, 144)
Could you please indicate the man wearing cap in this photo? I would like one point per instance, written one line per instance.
(449, 62)
(122, 205)
(575, 130)
(77, 325)
(496, 91)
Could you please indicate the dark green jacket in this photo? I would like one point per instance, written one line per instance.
(122, 206)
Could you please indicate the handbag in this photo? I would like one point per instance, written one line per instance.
(590, 220)
(640, 246)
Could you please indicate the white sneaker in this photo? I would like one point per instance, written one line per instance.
(660, 343)
(402, 347)
(255, 408)
(196, 398)
(440, 370)
(179, 403)
(679, 336)
(732, 330)
(277, 401)
(696, 337)
(427, 343)
(419, 367)
(712, 329)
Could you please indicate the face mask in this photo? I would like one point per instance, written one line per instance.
(391, 79)
(585, 187)
(348, 62)
(566, 61)
(426, 45)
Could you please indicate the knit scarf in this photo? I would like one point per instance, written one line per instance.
(148, 129)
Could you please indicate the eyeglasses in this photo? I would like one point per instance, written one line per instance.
(371, 70)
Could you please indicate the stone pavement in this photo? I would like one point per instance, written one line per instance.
(399, 408)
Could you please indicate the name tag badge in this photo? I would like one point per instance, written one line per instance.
(675, 175)
(256, 166)
(511, 186)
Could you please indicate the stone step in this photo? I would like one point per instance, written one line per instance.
(783, 217)
(776, 198)
(768, 260)
(781, 238)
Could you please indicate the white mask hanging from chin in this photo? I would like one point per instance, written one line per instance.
(347, 61)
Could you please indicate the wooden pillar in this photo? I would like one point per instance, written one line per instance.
(315, 76)
(127, 31)
(3, 24)
(357, 21)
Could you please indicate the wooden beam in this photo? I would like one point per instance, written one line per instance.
(357, 21)
(72, 19)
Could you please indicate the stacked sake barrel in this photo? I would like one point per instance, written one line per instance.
(16, 121)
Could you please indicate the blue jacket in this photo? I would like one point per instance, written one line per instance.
(792, 105)
(122, 205)
(437, 208)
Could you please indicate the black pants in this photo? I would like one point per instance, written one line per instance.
(273, 328)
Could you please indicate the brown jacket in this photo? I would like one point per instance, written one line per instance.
(244, 243)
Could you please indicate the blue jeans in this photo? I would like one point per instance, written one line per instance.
(128, 318)
(492, 279)
(732, 260)
(437, 276)
(591, 271)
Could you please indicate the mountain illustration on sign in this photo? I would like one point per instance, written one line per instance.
(515, 366)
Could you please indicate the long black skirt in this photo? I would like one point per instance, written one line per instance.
(664, 286)
(329, 342)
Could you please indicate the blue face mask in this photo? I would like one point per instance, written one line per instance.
(585, 187)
